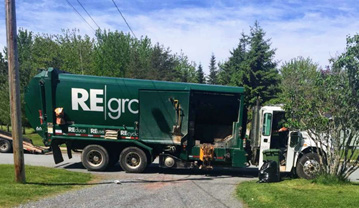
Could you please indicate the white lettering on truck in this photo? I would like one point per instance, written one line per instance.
(116, 106)
(77, 100)
(96, 100)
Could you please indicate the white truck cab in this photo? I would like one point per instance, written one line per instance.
(297, 152)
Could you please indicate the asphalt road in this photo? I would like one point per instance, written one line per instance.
(154, 188)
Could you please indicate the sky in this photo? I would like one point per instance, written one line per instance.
(308, 28)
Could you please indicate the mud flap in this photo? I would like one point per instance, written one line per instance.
(56, 153)
(69, 153)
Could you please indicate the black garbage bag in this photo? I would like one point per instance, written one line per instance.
(269, 172)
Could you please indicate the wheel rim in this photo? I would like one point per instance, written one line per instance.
(3, 146)
(133, 160)
(311, 167)
(95, 158)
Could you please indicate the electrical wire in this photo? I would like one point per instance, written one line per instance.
(88, 14)
(80, 15)
(124, 18)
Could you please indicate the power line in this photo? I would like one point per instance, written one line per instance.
(123, 18)
(80, 14)
(88, 14)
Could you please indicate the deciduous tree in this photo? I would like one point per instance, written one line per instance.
(324, 104)
(4, 93)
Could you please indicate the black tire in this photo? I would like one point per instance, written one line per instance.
(5, 146)
(308, 166)
(95, 158)
(133, 160)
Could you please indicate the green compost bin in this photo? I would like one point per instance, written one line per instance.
(271, 154)
(270, 172)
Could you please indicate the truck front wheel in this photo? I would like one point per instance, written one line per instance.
(5, 146)
(95, 158)
(308, 166)
(133, 160)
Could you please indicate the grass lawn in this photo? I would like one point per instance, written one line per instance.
(41, 182)
(35, 137)
(298, 193)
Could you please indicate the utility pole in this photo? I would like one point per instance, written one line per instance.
(14, 89)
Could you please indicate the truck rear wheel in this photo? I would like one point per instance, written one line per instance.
(5, 146)
(95, 158)
(308, 166)
(133, 160)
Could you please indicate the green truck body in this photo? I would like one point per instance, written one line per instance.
(180, 122)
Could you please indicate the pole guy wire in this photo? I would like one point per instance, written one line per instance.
(124, 18)
(88, 14)
(80, 15)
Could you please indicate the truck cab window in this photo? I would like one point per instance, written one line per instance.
(267, 124)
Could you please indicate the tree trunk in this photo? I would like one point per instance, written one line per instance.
(8, 127)
(23, 130)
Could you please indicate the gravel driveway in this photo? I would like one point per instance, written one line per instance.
(154, 188)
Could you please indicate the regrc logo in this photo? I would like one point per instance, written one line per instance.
(115, 106)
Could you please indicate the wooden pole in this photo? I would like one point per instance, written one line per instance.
(14, 89)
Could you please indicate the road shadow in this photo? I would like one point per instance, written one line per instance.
(216, 172)
(70, 166)
(130, 181)
(249, 172)
(144, 181)
(68, 184)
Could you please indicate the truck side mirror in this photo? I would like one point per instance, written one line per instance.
(295, 139)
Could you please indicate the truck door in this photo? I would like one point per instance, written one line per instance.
(163, 116)
(266, 128)
(294, 142)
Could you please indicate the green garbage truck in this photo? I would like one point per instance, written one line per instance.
(134, 121)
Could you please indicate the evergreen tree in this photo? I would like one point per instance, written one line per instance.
(200, 75)
(237, 61)
(213, 72)
(252, 66)
(162, 64)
